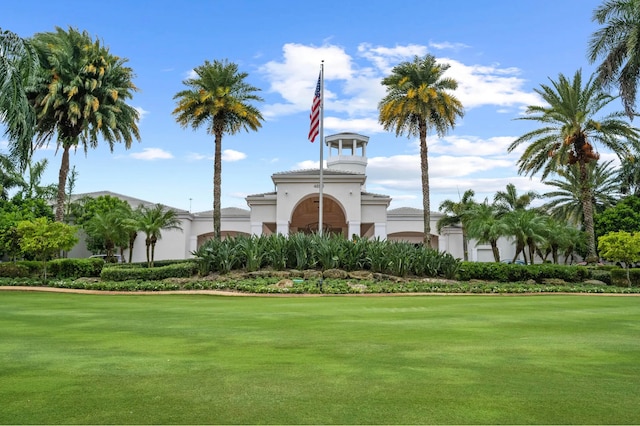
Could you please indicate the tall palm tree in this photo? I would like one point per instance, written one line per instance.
(484, 225)
(418, 99)
(617, 42)
(219, 98)
(566, 203)
(80, 96)
(509, 199)
(18, 68)
(152, 221)
(569, 122)
(457, 213)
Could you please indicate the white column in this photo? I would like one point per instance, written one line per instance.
(354, 228)
(380, 230)
(256, 228)
(283, 227)
(339, 147)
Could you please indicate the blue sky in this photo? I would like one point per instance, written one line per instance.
(498, 50)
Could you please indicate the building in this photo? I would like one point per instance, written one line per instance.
(348, 209)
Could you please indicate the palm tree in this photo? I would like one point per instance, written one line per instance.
(509, 200)
(109, 227)
(9, 177)
(81, 96)
(418, 99)
(218, 97)
(457, 214)
(557, 238)
(152, 221)
(18, 67)
(617, 42)
(569, 122)
(566, 204)
(630, 176)
(484, 225)
(527, 227)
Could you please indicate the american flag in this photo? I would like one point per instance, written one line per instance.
(314, 128)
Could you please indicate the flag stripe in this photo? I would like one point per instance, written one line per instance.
(314, 127)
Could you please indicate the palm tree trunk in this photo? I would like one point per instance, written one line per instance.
(424, 167)
(62, 181)
(147, 242)
(217, 184)
(465, 244)
(587, 209)
(495, 250)
(153, 251)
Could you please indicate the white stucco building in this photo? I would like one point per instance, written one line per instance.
(293, 206)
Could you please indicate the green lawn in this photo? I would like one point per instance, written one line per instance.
(167, 359)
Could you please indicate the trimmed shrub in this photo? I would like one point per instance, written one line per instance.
(75, 268)
(503, 272)
(619, 277)
(176, 270)
(13, 270)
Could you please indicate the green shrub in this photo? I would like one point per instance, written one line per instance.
(502, 272)
(75, 268)
(619, 277)
(13, 270)
(176, 270)
(602, 275)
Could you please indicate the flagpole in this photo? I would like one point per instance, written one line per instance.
(321, 134)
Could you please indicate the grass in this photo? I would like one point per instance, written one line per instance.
(197, 359)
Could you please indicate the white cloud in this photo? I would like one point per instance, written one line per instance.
(194, 156)
(353, 86)
(149, 154)
(141, 112)
(231, 155)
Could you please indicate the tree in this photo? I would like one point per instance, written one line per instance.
(527, 228)
(418, 99)
(509, 200)
(10, 178)
(18, 67)
(569, 121)
(218, 98)
(566, 203)
(105, 220)
(621, 247)
(111, 228)
(13, 212)
(617, 42)
(558, 238)
(152, 221)
(624, 216)
(457, 213)
(630, 176)
(43, 239)
(80, 96)
(484, 225)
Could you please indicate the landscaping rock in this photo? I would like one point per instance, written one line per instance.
(553, 281)
(335, 273)
(594, 282)
(311, 274)
(286, 283)
(360, 275)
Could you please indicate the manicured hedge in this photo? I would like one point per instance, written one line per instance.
(124, 273)
(619, 277)
(502, 272)
(75, 268)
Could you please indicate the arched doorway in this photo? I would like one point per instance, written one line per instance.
(305, 216)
